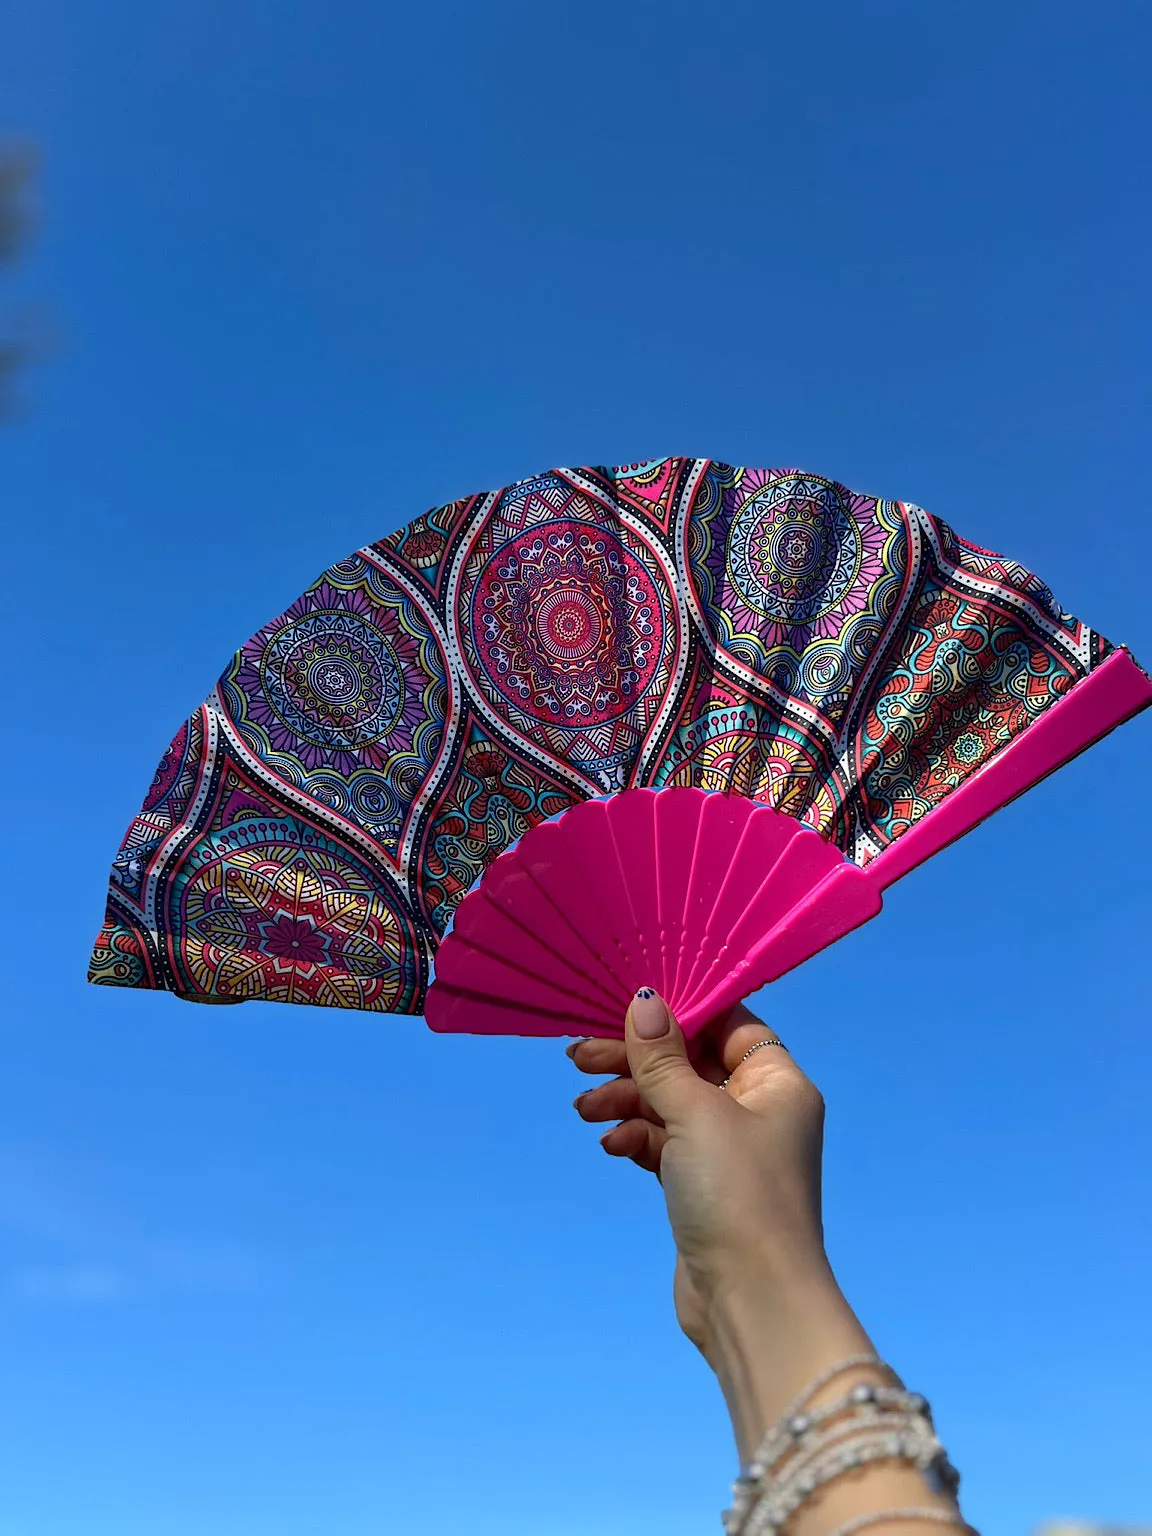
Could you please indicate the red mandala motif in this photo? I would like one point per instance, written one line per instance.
(565, 625)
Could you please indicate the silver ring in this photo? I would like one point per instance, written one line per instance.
(746, 1055)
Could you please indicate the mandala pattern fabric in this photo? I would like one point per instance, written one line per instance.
(312, 828)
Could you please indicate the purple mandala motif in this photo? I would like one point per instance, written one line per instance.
(802, 557)
(795, 576)
(335, 681)
(341, 682)
(345, 697)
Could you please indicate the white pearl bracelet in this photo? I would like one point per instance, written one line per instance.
(747, 1486)
(849, 1446)
(870, 1399)
(803, 1451)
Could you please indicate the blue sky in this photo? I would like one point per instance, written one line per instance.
(315, 268)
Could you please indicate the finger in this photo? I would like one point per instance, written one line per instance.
(639, 1140)
(658, 1058)
(715, 1053)
(598, 1056)
(708, 1065)
(618, 1100)
(738, 1033)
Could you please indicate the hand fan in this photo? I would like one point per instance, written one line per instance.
(673, 722)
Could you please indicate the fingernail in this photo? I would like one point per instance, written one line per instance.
(649, 1014)
(570, 1051)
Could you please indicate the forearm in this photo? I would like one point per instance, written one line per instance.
(766, 1343)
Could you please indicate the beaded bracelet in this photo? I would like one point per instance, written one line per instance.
(871, 1409)
(886, 1423)
(851, 1446)
(769, 1516)
(746, 1486)
(864, 1393)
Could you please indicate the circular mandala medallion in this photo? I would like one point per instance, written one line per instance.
(345, 697)
(273, 908)
(794, 551)
(789, 569)
(333, 679)
(564, 624)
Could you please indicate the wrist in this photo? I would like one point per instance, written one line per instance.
(755, 1299)
(768, 1339)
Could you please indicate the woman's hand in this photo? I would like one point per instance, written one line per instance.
(741, 1176)
(740, 1169)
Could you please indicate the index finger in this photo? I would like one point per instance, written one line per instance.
(603, 1055)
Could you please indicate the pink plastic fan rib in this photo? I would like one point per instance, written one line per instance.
(698, 894)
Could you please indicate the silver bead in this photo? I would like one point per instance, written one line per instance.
(864, 1392)
(798, 1423)
(941, 1476)
(917, 1403)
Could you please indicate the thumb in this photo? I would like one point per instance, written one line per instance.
(658, 1057)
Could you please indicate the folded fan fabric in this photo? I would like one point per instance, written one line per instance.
(846, 659)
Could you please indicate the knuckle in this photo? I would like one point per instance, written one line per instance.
(811, 1097)
(662, 1072)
